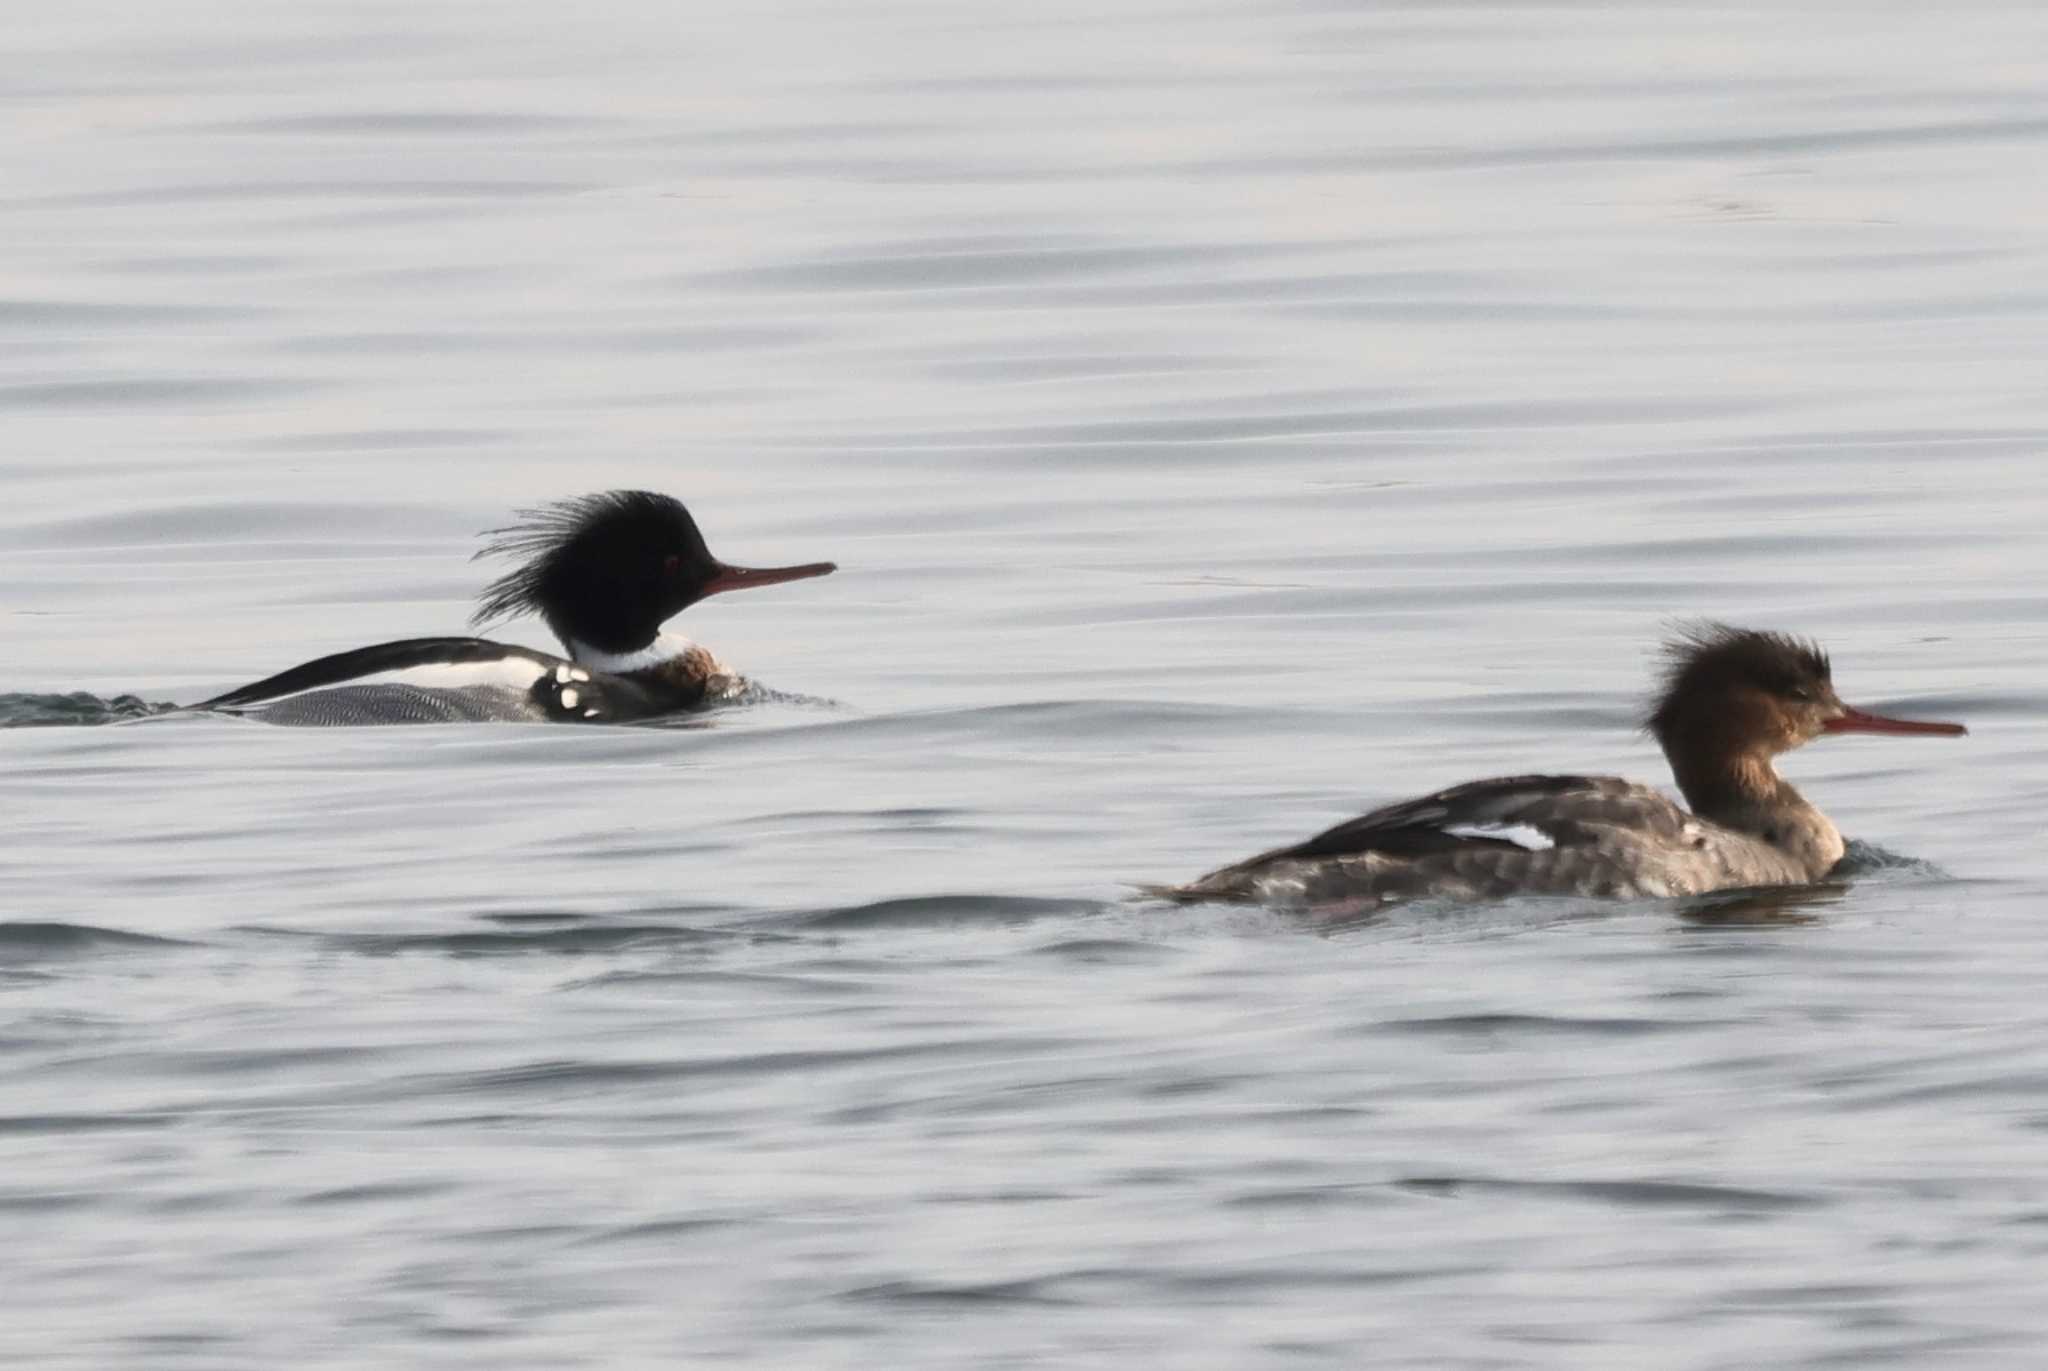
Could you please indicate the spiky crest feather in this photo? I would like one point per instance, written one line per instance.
(546, 534)
(1705, 650)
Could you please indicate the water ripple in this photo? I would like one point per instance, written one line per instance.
(28, 939)
(1632, 1194)
(19, 710)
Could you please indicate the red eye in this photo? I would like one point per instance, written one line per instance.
(671, 564)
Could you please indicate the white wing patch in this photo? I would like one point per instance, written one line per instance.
(1526, 836)
(506, 673)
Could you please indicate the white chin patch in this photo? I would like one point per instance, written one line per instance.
(1525, 836)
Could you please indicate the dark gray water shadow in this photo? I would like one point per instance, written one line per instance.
(153, 393)
(230, 521)
(1339, 1276)
(778, 135)
(1975, 706)
(76, 709)
(46, 316)
(1363, 596)
(199, 264)
(386, 440)
(29, 940)
(373, 1192)
(401, 124)
(1106, 951)
(1348, 1194)
(1499, 1025)
(1629, 1194)
(576, 939)
(632, 340)
(1228, 429)
(912, 817)
(808, 985)
(48, 1202)
(232, 192)
(1422, 294)
(552, 1076)
(1814, 141)
(1838, 447)
(538, 918)
(1738, 549)
(939, 1297)
(123, 1122)
(662, 1232)
(1032, 368)
(1081, 721)
(935, 911)
(918, 267)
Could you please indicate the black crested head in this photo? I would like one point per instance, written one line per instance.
(605, 571)
(1708, 664)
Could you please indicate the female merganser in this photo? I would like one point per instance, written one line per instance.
(1732, 699)
(604, 571)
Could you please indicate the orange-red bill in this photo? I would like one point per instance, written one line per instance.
(1855, 720)
(748, 577)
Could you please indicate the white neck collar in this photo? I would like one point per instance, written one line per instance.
(665, 647)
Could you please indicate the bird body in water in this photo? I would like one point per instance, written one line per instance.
(1731, 701)
(605, 572)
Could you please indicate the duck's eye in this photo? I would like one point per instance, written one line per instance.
(671, 564)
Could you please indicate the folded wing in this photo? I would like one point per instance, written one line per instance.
(437, 663)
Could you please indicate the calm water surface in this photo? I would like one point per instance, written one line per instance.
(1226, 416)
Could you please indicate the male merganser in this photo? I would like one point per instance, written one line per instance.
(604, 571)
(1732, 699)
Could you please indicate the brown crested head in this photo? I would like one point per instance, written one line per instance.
(1733, 692)
(1741, 690)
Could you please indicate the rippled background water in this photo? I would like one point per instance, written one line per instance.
(1227, 416)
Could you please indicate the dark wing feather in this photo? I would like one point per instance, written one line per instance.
(342, 667)
(1412, 828)
(1573, 812)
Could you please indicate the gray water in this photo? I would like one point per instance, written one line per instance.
(1226, 417)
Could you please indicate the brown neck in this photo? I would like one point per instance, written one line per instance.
(1745, 792)
(1725, 786)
